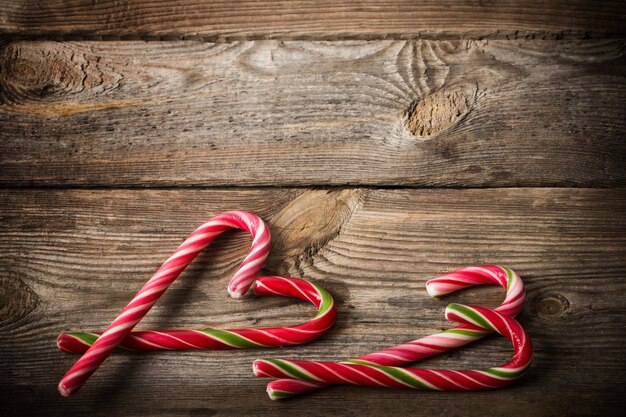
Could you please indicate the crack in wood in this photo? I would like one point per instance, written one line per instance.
(307, 20)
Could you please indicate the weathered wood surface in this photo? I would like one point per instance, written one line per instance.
(267, 95)
(236, 19)
(71, 259)
(403, 113)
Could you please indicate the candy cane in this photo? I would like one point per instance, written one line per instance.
(80, 372)
(430, 345)
(357, 373)
(209, 338)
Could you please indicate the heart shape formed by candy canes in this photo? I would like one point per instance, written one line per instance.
(435, 344)
(98, 347)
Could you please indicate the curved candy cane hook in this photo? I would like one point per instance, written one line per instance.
(364, 373)
(435, 344)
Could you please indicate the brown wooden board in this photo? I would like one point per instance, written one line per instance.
(461, 113)
(71, 259)
(236, 19)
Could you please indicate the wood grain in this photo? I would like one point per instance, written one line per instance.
(70, 259)
(237, 19)
(463, 113)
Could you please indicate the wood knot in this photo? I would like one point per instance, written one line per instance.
(310, 221)
(17, 299)
(552, 305)
(439, 110)
(33, 72)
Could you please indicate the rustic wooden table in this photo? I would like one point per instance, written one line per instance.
(383, 144)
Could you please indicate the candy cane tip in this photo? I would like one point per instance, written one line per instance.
(60, 342)
(235, 293)
(271, 394)
(432, 291)
(450, 309)
(66, 392)
(255, 368)
(64, 344)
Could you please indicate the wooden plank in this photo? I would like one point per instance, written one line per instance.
(72, 258)
(312, 19)
(401, 113)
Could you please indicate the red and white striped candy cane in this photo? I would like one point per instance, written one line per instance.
(209, 338)
(364, 373)
(80, 372)
(436, 344)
